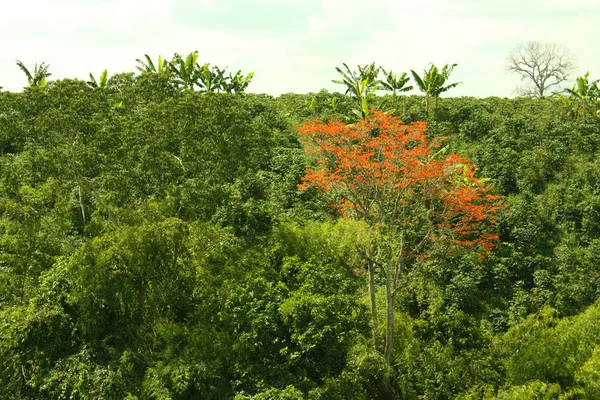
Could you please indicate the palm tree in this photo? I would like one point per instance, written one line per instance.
(40, 73)
(163, 66)
(361, 85)
(395, 85)
(211, 79)
(101, 83)
(432, 83)
(585, 93)
(187, 70)
(237, 83)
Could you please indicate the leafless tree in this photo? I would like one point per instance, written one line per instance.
(543, 67)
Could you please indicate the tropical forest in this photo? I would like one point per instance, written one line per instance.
(166, 234)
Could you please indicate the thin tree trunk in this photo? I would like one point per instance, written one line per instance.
(373, 302)
(393, 270)
(81, 205)
(390, 297)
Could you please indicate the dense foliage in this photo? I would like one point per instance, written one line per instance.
(154, 244)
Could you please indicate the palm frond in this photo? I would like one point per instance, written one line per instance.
(23, 68)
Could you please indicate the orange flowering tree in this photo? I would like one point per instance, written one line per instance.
(413, 197)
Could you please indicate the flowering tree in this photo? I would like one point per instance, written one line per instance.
(413, 199)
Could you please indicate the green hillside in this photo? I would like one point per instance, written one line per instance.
(155, 244)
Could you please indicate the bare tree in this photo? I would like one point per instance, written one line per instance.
(543, 67)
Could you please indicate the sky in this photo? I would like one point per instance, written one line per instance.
(295, 45)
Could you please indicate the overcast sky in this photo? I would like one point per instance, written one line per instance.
(295, 45)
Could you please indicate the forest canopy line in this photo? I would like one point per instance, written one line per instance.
(167, 235)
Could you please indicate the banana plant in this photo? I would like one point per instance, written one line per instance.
(40, 73)
(395, 84)
(360, 85)
(238, 82)
(567, 103)
(211, 79)
(432, 83)
(163, 66)
(585, 93)
(187, 70)
(99, 84)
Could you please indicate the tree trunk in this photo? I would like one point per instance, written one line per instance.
(393, 270)
(81, 205)
(390, 297)
(371, 269)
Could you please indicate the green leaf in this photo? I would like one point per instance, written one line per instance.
(103, 78)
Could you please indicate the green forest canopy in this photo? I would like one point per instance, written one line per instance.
(154, 243)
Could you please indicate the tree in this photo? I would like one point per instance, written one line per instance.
(40, 73)
(414, 201)
(211, 79)
(585, 94)
(190, 73)
(101, 82)
(164, 66)
(432, 83)
(543, 67)
(237, 83)
(395, 84)
(187, 70)
(360, 85)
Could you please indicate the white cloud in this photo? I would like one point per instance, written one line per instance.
(579, 5)
(318, 24)
(214, 5)
(350, 5)
(64, 16)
